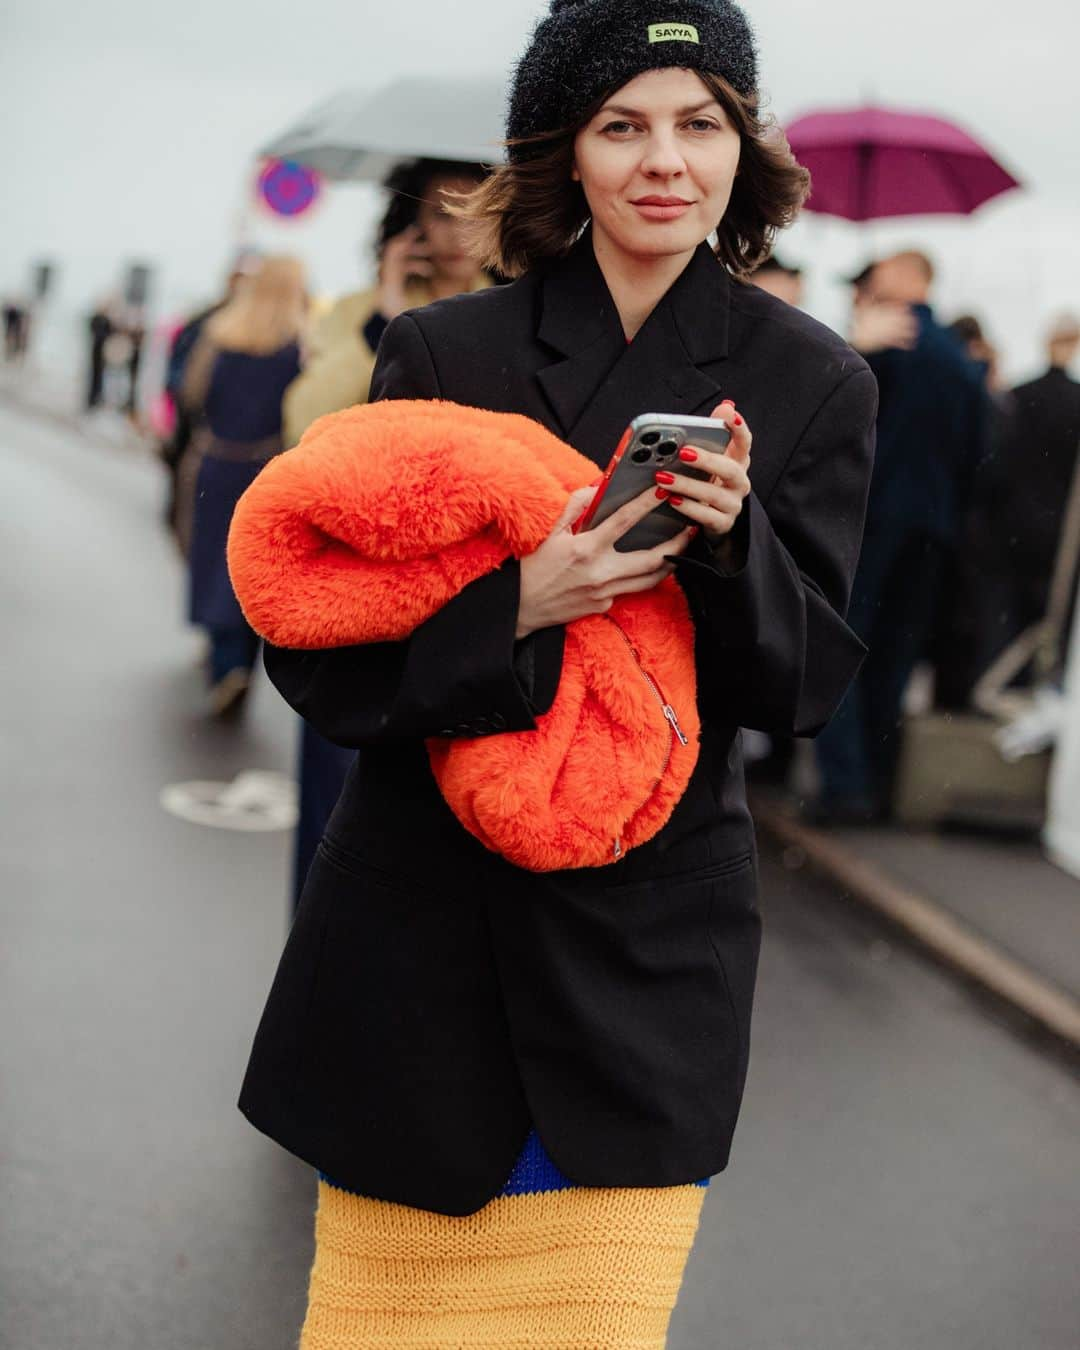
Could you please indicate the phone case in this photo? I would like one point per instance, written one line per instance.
(652, 441)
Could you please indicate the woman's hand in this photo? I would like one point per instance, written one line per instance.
(880, 325)
(714, 503)
(404, 256)
(571, 575)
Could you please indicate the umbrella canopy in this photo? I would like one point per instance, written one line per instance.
(871, 163)
(360, 135)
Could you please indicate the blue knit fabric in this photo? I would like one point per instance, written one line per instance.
(534, 1172)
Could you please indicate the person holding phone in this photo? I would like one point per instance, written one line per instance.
(422, 256)
(516, 1084)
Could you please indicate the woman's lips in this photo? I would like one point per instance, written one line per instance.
(657, 209)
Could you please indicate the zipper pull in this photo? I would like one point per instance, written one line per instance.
(673, 717)
(618, 849)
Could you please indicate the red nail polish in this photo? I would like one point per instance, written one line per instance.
(661, 494)
(675, 501)
(687, 454)
(738, 421)
(662, 476)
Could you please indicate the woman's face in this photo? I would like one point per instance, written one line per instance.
(445, 234)
(657, 164)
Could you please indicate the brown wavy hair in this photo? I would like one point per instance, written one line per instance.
(530, 209)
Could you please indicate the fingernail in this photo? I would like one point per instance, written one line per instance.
(662, 476)
(694, 531)
(661, 494)
(738, 421)
(687, 455)
(675, 501)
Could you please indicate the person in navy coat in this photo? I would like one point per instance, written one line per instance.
(233, 383)
(932, 430)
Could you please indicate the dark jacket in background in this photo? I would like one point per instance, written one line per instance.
(434, 1002)
(932, 430)
(1035, 470)
(1015, 527)
(241, 413)
(183, 344)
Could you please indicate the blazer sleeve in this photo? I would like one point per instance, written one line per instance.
(459, 674)
(774, 652)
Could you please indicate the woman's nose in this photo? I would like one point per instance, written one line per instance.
(663, 158)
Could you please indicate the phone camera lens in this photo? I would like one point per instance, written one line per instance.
(650, 437)
(666, 449)
(641, 456)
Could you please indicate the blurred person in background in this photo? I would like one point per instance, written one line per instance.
(1026, 489)
(245, 359)
(16, 329)
(969, 332)
(423, 256)
(786, 283)
(931, 436)
(100, 328)
(957, 652)
(877, 324)
(135, 331)
(181, 481)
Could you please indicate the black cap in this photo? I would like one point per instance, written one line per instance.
(584, 48)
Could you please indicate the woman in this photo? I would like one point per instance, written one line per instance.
(514, 1082)
(235, 378)
(423, 256)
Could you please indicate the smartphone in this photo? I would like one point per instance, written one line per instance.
(652, 441)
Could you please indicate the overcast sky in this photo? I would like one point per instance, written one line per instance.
(135, 123)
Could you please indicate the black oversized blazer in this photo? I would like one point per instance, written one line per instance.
(433, 1002)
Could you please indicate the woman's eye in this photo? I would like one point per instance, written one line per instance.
(703, 124)
(619, 128)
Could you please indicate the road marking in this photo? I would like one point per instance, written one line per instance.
(255, 800)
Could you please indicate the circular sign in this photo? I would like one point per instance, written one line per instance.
(288, 189)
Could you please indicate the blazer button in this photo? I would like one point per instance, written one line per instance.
(463, 729)
(498, 722)
(482, 727)
(448, 731)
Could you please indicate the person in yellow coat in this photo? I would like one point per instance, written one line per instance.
(422, 257)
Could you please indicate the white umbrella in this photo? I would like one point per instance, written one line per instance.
(357, 135)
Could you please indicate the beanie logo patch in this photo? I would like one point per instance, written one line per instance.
(673, 32)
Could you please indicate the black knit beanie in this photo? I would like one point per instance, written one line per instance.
(584, 48)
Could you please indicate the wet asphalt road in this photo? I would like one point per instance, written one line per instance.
(905, 1170)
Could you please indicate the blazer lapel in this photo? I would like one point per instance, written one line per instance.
(602, 382)
(579, 321)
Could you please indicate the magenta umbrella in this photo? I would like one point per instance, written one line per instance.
(871, 163)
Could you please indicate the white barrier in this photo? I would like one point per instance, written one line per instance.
(1061, 836)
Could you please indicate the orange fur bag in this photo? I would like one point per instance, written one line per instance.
(379, 517)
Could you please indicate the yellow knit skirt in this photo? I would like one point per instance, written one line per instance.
(578, 1269)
